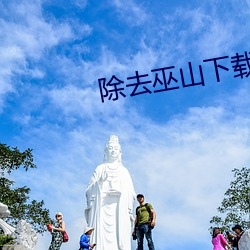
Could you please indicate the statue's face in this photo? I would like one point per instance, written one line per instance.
(114, 150)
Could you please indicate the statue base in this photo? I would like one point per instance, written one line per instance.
(12, 247)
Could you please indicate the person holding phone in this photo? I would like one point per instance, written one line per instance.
(85, 239)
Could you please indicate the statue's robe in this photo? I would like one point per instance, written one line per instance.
(110, 197)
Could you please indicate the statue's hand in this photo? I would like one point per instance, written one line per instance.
(90, 201)
(104, 176)
(89, 205)
(132, 217)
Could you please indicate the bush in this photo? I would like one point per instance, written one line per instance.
(6, 240)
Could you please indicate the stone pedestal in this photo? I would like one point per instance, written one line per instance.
(244, 242)
(13, 247)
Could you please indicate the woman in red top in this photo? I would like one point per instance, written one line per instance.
(218, 240)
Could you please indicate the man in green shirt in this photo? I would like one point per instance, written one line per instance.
(144, 223)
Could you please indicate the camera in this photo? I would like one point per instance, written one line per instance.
(134, 235)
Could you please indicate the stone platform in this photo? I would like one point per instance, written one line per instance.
(13, 247)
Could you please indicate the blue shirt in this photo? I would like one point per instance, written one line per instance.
(84, 242)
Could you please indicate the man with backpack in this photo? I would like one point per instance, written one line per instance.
(239, 232)
(144, 223)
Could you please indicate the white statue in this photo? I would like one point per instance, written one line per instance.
(4, 212)
(244, 242)
(110, 198)
(25, 235)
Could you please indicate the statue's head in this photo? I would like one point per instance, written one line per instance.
(113, 150)
(4, 211)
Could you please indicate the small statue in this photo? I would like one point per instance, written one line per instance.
(4, 212)
(23, 234)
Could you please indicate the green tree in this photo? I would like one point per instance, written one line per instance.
(17, 199)
(235, 207)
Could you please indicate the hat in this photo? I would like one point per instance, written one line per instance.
(237, 227)
(140, 195)
(59, 213)
(87, 229)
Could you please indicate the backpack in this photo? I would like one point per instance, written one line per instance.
(149, 212)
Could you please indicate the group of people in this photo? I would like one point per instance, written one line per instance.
(57, 236)
(219, 241)
(144, 223)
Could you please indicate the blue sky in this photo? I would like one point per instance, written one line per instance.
(179, 145)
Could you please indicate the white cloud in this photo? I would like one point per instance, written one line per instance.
(83, 103)
(80, 3)
(32, 33)
(203, 31)
(25, 35)
(224, 42)
(107, 65)
(131, 12)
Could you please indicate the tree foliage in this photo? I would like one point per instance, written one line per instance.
(235, 206)
(6, 240)
(12, 159)
(17, 199)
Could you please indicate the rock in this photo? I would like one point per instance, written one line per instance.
(244, 242)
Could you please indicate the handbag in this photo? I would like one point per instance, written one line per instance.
(65, 236)
(49, 227)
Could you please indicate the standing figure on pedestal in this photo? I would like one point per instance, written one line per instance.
(110, 198)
